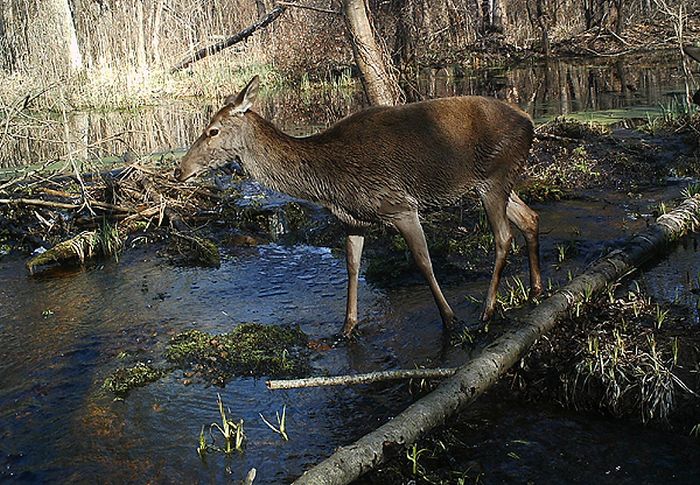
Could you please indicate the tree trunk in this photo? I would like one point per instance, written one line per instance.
(493, 15)
(53, 38)
(477, 375)
(155, 34)
(379, 82)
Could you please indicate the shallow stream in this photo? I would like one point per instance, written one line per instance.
(63, 331)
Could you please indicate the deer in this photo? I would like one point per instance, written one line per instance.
(386, 164)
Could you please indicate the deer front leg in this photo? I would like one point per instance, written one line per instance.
(353, 252)
(411, 230)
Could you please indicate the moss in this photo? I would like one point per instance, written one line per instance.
(79, 247)
(188, 250)
(572, 128)
(124, 379)
(250, 349)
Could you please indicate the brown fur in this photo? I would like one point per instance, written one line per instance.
(384, 164)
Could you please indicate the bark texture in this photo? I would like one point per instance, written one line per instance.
(473, 378)
(379, 82)
(367, 378)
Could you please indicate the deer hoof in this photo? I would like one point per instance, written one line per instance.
(535, 292)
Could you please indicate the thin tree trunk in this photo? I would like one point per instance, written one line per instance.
(155, 34)
(473, 378)
(380, 84)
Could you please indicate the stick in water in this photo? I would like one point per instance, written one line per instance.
(368, 378)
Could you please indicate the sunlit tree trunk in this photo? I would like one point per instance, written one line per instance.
(493, 14)
(55, 37)
(155, 35)
(379, 82)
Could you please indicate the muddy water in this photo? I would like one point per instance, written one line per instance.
(64, 331)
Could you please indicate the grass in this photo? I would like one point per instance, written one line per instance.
(129, 88)
(622, 357)
(232, 431)
(281, 427)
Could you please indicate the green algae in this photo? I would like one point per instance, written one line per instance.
(124, 379)
(250, 349)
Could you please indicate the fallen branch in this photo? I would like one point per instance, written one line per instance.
(64, 205)
(367, 378)
(472, 379)
(235, 39)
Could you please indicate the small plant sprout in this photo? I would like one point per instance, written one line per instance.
(203, 446)
(413, 455)
(660, 317)
(281, 428)
(562, 249)
(231, 431)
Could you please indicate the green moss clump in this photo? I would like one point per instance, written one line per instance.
(250, 349)
(124, 379)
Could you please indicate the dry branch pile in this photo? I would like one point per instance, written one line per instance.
(78, 217)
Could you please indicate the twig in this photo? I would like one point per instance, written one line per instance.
(348, 380)
(64, 205)
(240, 36)
(309, 7)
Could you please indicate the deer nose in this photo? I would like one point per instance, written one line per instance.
(177, 173)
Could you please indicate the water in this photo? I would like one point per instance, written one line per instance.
(57, 424)
(63, 331)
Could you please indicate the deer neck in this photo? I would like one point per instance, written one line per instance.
(279, 161)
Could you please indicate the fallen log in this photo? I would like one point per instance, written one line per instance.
(355, 379)
(234, 39)
(476, 376)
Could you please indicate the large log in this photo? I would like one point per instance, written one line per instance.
(473, 378)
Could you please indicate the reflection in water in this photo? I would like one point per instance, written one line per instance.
(545, 89)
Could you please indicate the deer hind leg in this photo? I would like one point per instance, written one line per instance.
(409, 226)
(494, 202)
(528, 222)
(353, 252)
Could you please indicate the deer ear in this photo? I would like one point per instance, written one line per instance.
(244, 100)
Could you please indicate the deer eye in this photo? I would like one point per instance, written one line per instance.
(212, 132)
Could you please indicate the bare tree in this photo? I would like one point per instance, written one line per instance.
(378, 80)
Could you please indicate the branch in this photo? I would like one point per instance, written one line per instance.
(361, 378)
(309, 7)
(476, 376)
(64, 205)
(235, 39)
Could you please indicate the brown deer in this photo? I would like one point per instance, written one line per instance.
(385, 164)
